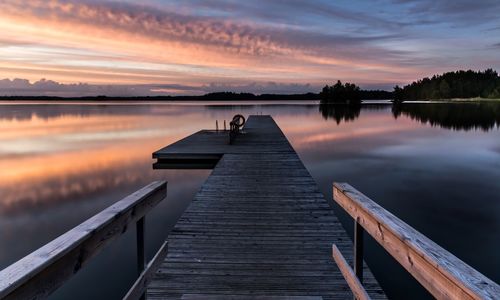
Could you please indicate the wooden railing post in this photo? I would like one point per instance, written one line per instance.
(358, 250)
(141, 257)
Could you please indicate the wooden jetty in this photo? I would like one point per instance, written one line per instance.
(259, 226)
(258, 229)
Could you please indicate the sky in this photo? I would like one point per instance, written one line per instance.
(190, 47)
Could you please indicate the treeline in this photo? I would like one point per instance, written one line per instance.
(460, 84)
(250, 96)
(219, 96)
(376, 95)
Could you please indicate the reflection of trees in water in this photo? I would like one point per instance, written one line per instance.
(340, 112)
(456, 116)
(45, 192)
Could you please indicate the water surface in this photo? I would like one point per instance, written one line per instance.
(436, 166)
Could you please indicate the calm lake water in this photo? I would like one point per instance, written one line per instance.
(436, 166)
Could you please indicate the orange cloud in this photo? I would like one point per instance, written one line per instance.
(124, 43)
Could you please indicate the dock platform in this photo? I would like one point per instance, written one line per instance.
(259, 228)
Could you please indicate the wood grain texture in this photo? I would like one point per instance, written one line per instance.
(239, 297)
(440, 272)
(140, 285)
(349, 276)
(40, 273)
(258, 228)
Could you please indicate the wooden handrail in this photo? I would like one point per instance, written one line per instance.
(352, 280)
(140, 285)
(40, 273)
(440, 272)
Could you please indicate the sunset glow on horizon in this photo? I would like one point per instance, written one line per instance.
(194, 47)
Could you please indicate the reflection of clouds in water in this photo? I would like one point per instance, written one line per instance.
(19, 112)
(315, 134)
(38, 128)
(45, 193)
(110, 136)
(27, 112)
(357, 134)
(53, 213)
(456, 149)
(73, 158)
(49, 180)
(48, 192)
(19, 147)
(71, 141)
(41, 167)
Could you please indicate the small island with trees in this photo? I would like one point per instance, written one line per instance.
(340, 93)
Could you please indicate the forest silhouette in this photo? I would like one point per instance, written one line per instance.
(459, 84)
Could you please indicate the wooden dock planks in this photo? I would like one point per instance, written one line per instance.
(259, 226)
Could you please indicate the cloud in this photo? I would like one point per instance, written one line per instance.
(44, 87)
(191, 44)
(151, 23)
(262, 88)
(455, 12)
(280, 12)
(127, 43)
(241, 38)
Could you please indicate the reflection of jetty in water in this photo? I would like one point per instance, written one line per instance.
(456, 116)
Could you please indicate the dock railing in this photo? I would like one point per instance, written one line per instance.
(43, 271)
(437, 270)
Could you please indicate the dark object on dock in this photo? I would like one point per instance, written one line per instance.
(234, 127)
(201, 150)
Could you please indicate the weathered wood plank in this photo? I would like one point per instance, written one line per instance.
(353, 281)
(140, 285)
(245, 297)
(439, 271)
(40, 273)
